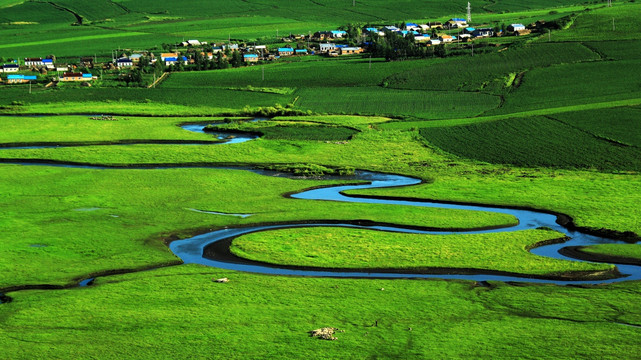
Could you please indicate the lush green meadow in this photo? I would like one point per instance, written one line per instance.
(62, 224)
(180, 312)
(632, 251)
(367, 249)
(544, 123)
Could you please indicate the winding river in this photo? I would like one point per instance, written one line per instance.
(212, 249)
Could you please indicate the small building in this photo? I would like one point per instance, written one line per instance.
(285, 51)
(193, 42)
(135, 58)
(326, 47)
(48, 63)
(391, 28)
(33, 62)
(515, 27)
(446, 38)
(124, 62)
(164, 56)
(522, 32)
(217, 49)
(301, 52)
(175, 60)
(75, 76)
(456, 23)
(434, 42)
(250, 58)
(483, 32)
(422, 38)
(350, 50)
(62, 68)
(338, 34)
(465, 37)
(10, 68)
(20, 79)
(435, 25)
(468, 30)
(412, 27)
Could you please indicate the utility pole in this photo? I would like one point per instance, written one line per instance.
(613, 28)
(29, 86)
(548, 35)
(353, 3)
(469, 12)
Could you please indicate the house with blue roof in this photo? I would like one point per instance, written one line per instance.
(468, 30)
(285, 51)
(20, 79)
(516, 27)
(301, 52)
(250, 58)
(337, 34)
(456, 23)
(48, 63)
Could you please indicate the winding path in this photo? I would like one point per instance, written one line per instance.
(212, 249)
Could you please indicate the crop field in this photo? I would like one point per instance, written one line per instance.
(533, 142)
(597, 25)
(392, 102)
(618, 50)
(583, 83)
(610, 124)
(489, 72)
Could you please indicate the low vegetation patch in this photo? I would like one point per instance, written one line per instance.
(363, 249)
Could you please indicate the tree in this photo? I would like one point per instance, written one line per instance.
(440, 50)
(221, 63)
(236, 59)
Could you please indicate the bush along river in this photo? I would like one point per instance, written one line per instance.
(212, 249)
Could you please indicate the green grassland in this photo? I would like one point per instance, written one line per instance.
(533, 123)
(180, 313)
(366, 249)
(97, 220)
(622, 250)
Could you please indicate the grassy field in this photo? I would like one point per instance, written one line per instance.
(96, 220)
(547, 123)
(541, 141)
(623, 250)
(180, 312)
(366, 249)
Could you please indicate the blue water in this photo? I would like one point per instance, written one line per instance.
(191, 250)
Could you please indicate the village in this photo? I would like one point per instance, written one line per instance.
(199, 55)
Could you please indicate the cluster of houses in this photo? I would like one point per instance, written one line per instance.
(41, 63)
(329, 44)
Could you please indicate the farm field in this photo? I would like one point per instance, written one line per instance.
(500, 159)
